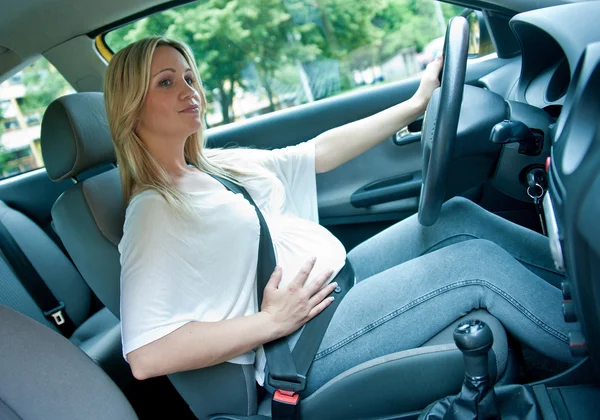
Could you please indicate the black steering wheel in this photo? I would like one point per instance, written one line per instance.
(441, 121)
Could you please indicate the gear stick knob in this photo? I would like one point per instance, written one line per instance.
(474, 339)
(477, 399)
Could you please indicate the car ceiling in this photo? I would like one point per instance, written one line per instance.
(32, 27)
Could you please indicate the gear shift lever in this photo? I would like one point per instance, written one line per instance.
(474, 339)
(476, 399)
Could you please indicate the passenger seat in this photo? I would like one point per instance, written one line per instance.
(97, 334)
(43, 376)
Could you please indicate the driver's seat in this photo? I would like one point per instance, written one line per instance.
(89, 216)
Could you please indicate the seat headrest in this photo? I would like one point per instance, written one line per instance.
(75, 136)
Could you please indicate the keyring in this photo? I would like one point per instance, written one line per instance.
(535, 197)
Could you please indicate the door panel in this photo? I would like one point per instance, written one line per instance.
(379, 164)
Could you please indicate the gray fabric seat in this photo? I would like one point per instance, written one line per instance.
(89, 220)
(99, 334)
(44, 376)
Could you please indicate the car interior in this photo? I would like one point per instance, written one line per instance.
(513, 130)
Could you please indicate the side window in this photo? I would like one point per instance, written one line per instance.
(256, 57)
(23, 99)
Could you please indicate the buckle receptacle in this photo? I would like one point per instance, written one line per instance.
(285, 405)
(57, 314)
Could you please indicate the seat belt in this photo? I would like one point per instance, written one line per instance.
(288, 369)
(52, 308)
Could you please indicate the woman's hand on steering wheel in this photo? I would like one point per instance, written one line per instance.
(293, 306)
(430, 81)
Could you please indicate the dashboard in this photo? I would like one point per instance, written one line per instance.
(572, 205)
(552, 41)
(560, 73)
(536, 83)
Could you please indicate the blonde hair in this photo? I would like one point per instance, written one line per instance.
(125, 87)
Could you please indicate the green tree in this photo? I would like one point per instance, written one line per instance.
(348, 25)
(451, 10)
(5, 157)
(43, 84)
(272, 40)
(407, 23)
(214, 34)
(225, 36)
(344, 31)
(217, 37)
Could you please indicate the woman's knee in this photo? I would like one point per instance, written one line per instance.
(458, 207)
(461, 215)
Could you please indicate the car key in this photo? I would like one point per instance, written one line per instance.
(536, 188)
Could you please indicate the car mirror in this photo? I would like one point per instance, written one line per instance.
(480, 42)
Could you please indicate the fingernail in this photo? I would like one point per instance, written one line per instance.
(331, 298)
(334, 284)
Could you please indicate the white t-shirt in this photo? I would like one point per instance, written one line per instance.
(202, 267)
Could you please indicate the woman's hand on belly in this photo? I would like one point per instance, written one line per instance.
(291, 307)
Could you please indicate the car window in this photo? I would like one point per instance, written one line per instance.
(23, 99)
(260, 56)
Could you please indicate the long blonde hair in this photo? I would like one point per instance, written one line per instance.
(125, 87)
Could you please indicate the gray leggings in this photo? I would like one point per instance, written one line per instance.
(409, 276)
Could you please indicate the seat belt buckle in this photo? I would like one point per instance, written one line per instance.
(285, 405)
(56, 314)
(297, 384)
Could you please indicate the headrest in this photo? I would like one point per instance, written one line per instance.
(75, 136)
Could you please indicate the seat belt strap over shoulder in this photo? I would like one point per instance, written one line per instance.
(287, 370)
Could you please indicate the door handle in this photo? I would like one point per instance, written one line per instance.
(404, 137)
(386, 190)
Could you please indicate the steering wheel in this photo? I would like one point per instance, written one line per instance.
(441, 121)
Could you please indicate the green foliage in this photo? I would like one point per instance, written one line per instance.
(271, 41)
(215, 31)
(4, 158)
(43, 84)
(347, 25)
(410, 23)
(451, 10)
(256, 44)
